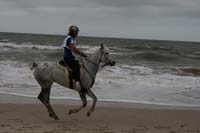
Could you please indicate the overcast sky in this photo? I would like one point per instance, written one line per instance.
(148, 19)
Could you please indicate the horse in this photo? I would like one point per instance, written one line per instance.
(48, 73)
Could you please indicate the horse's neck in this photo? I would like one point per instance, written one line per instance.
(94, 58)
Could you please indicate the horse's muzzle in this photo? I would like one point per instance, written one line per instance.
(112, 63)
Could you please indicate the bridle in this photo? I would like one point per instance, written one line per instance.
(100, 60)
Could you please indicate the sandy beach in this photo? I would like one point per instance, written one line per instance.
(27, 115)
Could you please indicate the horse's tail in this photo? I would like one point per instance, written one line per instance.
(34, 65)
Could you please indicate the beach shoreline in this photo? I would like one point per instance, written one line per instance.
(28, 115)
(17, 99)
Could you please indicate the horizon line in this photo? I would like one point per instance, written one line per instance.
(148, 39)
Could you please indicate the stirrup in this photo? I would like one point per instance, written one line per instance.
(76, 85)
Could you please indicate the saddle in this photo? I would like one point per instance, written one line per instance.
(68, 71)
(62, 63)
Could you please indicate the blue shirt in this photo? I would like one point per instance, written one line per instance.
(69, 40)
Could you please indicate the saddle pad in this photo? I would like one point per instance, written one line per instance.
(67, 70)
(64, 69)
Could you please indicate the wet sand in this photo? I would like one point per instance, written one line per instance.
(28, 115)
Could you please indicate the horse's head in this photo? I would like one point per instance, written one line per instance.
(105, 56)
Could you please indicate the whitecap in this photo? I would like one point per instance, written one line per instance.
(29, 45)
(119, 83)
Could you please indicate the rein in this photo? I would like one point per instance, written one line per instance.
(93, 78)
(100, 60)
(91, 61)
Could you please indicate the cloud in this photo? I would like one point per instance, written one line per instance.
(116, 18)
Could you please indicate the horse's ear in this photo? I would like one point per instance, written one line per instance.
(102, 46)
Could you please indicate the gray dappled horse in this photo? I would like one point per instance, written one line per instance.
(47, 73)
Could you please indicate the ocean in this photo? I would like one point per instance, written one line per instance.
(147, 71)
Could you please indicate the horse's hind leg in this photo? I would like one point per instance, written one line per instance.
(44, 98)
(92, 95)
(84, 101)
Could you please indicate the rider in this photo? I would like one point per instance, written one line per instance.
(70, 49)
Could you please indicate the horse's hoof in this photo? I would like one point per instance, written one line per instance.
(70, 112)
(51, 115)
(56, 118)
(88, 113)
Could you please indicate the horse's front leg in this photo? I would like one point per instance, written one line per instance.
(84, 101)
(92, 95)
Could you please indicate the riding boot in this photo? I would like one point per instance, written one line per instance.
(77, 86)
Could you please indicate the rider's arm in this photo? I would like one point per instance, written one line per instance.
(76, 50)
